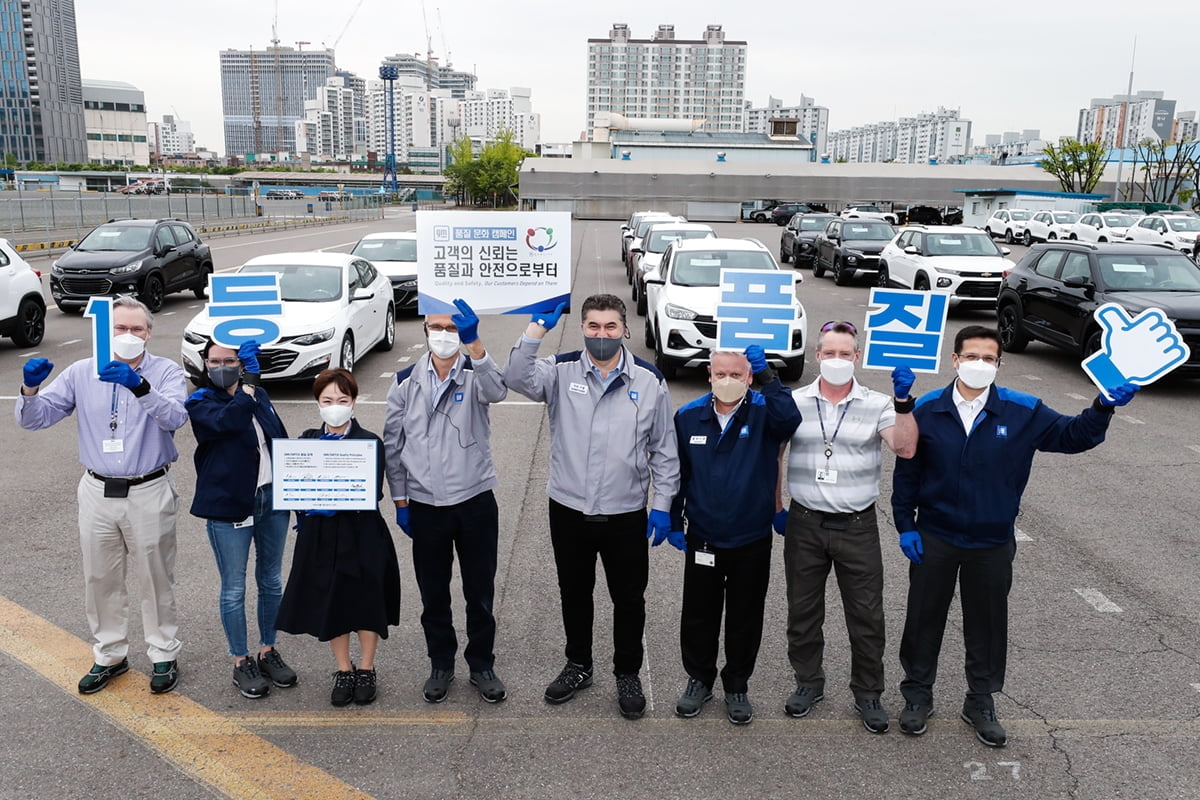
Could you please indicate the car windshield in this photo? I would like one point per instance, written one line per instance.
(1117, 220)
(1169, 272)
(1065, 218)
(1019, 215)
(703, 268)
(1184, 223)
(645, 224)
(304, 283)
(658, 240)
(813, 223)
(387, 249)
(118, 238)
(868, 232)
(960, 244)
(864, 208)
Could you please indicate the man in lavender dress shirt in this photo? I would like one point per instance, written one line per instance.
(127, 499)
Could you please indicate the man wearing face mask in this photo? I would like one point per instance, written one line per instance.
(833, 473)
(127, 499)
(955, 503)
(833, 477)
(729, 468)
(440, 471)
(610, 437)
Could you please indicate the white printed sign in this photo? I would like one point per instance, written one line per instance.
(336, 474)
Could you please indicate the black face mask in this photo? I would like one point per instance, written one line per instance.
(224, 377)
(601, 348)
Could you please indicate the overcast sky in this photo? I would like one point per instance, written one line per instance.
(1006, 65)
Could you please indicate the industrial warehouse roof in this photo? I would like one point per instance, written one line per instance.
(704, 139)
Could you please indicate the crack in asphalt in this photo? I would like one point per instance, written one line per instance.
(1056, 744)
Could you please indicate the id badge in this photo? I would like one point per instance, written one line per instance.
(706, 558)
(246, 523)
(827, 476)
(114, 445)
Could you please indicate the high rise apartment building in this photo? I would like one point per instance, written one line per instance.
(263, 94)
(668, 78)
(115, 123)
(1125, 120)
(812, 120)
(940, 136)
(41, 93)
(175, 136)
(484, 114)
(431, 75)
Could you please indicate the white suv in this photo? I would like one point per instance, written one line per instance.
(22, 304)
(963, 262)
(1045, 226)
(868, 211)
(683, 293)
(1009, 223)
(1109, 226)
(1178, 231)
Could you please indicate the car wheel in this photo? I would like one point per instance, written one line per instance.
(389, 330)
(1008, 237)
(988, 231)
(840, 276)
(1104, 240)
(665, 364)
(1092, 343)
(818, 269)
(648, 337)
(1053, 235)
(633, 293)
(921, 284)
(628, 271)
(1012, 338)
(1073, 237)
(347, 358)
(792, 369)
(31, 323)
(641, 300)
(1027, 238)
(784, 255)
(796, 259)
(201, 287)
(152, 293)
(883, 280)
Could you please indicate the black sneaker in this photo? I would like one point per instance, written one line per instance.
(914, 718)
(874, 716)
(490, 687)
(572, 678)
(693, 698)
(98, 676)
(343, 687)
(737, 705)
(802, 701)
(249, 681)
(165, 677)
(364, 686)
(272, 667)
(630, 699)
(438, 685)
(987, 728)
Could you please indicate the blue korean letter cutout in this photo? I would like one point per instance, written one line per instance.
(906, 330)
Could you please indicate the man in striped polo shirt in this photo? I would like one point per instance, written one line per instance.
(833, 478)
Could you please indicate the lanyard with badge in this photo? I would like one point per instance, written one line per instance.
(112, 444)
(828, 475)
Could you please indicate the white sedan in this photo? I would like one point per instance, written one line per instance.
(395, 255)
(335, 306)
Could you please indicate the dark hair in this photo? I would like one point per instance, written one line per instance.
(202, 380)
(340, 376)
(977, 332)
(604, 302)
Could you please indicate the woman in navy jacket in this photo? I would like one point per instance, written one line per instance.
(234, 423)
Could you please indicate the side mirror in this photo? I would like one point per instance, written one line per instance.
(1077, 282)
(912, 250)
(1005, 251)
(636, 250)
(653, 277)
(361, 294)
(163, 249)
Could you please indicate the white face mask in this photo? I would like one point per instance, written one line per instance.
(729, 390)
(976, 374)
(444, 344)
(336, 416)
(837, 371)
(127, 347)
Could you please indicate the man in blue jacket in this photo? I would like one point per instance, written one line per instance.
(955, 503)
(729, 444)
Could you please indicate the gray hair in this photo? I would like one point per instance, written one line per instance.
(728, 352)
(129, 301)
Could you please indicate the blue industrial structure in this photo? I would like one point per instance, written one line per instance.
(388, 73)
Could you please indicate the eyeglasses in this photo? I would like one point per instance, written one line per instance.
(993, 360)
(221, 362)
(136, 330)
(836, 326)
(441, 328)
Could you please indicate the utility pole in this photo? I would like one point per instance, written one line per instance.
(1120, 139)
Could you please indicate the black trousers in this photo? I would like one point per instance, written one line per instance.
(738, 582)
(620, 542)
(472, 529)
(810, 548)
(984, 578)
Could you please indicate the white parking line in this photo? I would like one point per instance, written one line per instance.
(1022, 536)
(332, 246)
(386, 374)
(1130, 420)
(169, 313)
(1195, 447)
(30, 354)
(1099, 601)
(70, 341)
(1074, 396)
(288, 238)
(404, 359)
(416, 346)
(1031, 377)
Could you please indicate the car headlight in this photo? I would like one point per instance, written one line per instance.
(408, 284)
(192, 337)
(314, 338)
(133, 266)
(679, 312)
(1185, 239)
(852, 258)
(55, 269)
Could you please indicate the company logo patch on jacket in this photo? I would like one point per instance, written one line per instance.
(458, 397)
(744, 433)
(1001, 431)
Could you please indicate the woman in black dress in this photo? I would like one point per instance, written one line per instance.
(345, 576)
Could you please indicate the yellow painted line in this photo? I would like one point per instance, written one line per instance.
(212, 749)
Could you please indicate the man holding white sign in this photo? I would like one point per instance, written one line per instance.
(127, 499)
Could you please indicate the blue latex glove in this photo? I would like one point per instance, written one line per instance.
(678, 540)
(37, 370)
(467, 322)
(779, 523)
(248, 355)
(120, 372)
(548, 321)
(198, 395)
(658, 526)
(758, 358)
(902, 381)
(402, 520)
(1119, 395)
(910, 544)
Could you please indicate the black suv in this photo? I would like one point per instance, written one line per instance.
(1054, 290)
(848, 247)
(798, 241)
(781, 213)
(149, 258)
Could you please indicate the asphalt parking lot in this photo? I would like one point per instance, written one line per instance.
(1102, 698)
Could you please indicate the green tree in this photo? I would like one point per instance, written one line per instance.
(1077, 166)
(1166, 170)
(462, 171)
(499, 166)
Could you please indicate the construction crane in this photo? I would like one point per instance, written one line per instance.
(256, 102)
(442, 31)
(428, 51)
(347, 25)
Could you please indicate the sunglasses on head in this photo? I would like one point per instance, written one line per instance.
(839, 327)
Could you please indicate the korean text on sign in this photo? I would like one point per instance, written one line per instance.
(756, 307)
(905, 329)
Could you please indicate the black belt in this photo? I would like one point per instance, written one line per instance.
(149, 476)
(837, 518)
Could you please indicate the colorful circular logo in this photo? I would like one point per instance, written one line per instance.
(540, 239)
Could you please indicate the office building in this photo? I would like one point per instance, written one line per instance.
(811, 120)
(175, 137)
(263, 94)
(41, 94)
(940, 137)
(114, 116)
(668, 78)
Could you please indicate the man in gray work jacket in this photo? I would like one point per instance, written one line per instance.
(440, 471)
(611, 436)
